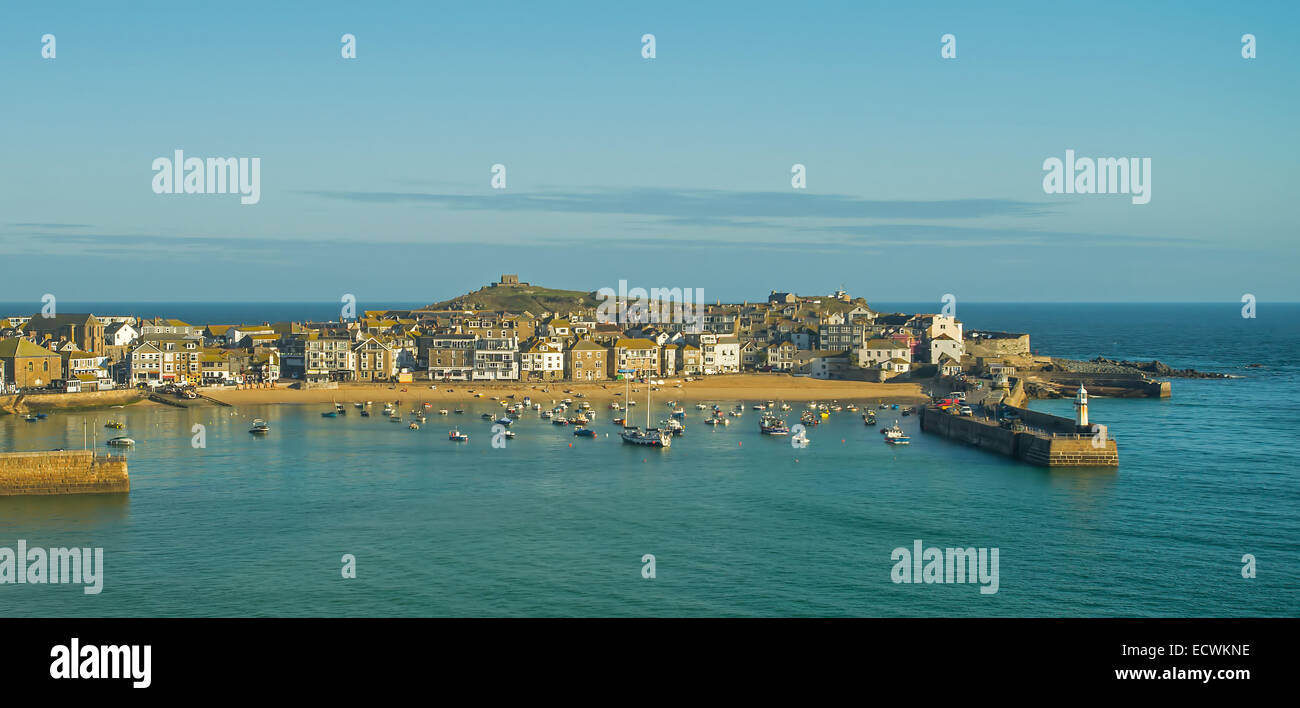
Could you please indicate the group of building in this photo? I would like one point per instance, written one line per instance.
(828, 337)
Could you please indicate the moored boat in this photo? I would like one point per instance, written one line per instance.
(259, 427)
(771, 425)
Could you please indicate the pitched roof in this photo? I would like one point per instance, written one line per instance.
(16, 346)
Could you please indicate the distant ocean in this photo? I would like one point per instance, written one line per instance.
(739, 524)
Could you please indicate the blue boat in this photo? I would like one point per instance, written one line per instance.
(584, 432)
(330, 414)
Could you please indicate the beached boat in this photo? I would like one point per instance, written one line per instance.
(457, 436)
(771, 425)
(259, 427)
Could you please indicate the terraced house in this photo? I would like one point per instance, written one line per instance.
(447, 357)
(640, 356)
(375, 360)
(542, 361)
(586, 361)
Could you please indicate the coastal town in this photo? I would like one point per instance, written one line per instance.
(474, 338)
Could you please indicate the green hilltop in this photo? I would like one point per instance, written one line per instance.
(519, 298)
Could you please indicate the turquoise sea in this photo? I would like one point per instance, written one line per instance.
(739, 524)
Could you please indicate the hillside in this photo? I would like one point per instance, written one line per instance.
(520, 298)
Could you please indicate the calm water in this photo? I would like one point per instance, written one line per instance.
(739, 524)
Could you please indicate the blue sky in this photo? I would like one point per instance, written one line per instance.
(924, 174)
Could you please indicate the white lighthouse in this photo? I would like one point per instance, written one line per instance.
(1081, 406)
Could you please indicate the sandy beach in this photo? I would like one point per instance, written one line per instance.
(742, 387)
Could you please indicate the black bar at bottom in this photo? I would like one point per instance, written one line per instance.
(214, 656)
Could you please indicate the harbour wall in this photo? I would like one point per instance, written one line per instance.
(27, 403)
(1039, 445)
(63, 472)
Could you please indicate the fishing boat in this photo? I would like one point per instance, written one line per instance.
(414, 426)
(442, 411)
(894, 435)
(114, 425)
(259, 427)
(809, 419)
(359, 405)
(30, 418)
(365, 413)
(460, 410)
(559, 420)
(395, 418)
(486, 416)
(675, 426)
(825, 415)
(457, 436)
(907, 412)
(678, 412)
(584, 432)
(716, 421)
(505, 421)
(547, 414)
(869, 418)
(582, 419)
(121, 442)
(771, 425)
(851, 408)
